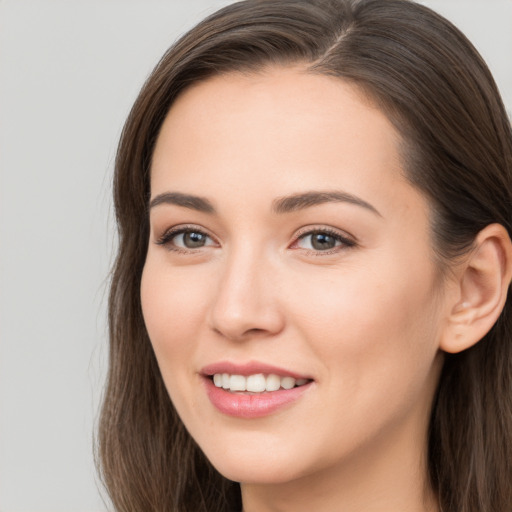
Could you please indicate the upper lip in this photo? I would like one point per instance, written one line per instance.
(249, 368)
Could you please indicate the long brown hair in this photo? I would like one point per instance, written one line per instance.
(457, 148)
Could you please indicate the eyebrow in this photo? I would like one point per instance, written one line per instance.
(200, 204)
(280, 205)
(307, 199)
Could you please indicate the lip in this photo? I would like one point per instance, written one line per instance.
(251, 406)
(241, 405)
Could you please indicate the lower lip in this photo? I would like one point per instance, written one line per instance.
(241, 405)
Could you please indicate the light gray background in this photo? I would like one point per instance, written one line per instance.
(69, 71)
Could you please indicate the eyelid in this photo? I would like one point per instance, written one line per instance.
(315, 228)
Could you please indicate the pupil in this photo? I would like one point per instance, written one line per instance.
(321, 241)
(193, 240)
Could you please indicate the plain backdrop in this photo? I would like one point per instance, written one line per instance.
(69, 72)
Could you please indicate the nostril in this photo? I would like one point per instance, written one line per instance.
(255, 331)
(241, 335)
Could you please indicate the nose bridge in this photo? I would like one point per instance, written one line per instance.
(246, 301)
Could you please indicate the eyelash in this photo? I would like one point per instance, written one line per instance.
(345, 242)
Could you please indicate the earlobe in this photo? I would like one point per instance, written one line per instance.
(483, 282)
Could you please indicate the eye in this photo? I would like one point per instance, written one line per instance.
(322, 240)
(184, 238)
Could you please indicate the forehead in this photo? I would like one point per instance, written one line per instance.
(278, 130)
(280, 104)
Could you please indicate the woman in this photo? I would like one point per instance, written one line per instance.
(309, 305)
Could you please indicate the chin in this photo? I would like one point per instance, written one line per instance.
(260, 463)
(246, 473)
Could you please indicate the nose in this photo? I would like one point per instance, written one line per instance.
(247, 302)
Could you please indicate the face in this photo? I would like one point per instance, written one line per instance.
(289, 290)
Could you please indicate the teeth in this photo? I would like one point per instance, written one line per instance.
(273, 382)
(287, 382)
(237, 383)
(255, 383)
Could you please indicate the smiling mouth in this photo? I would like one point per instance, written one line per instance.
(256, 383)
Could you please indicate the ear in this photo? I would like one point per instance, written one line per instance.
(482, 284)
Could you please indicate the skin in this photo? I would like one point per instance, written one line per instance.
(365, 321)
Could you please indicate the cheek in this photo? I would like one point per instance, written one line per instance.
(172, 305)
(376, 325)
(376, 337)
